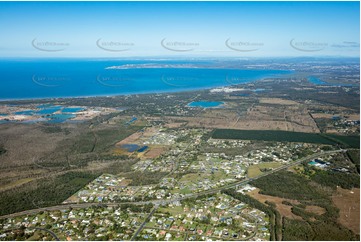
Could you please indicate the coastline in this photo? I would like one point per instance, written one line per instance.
(122, 94)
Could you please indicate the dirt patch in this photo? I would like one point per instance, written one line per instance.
(353, 116)
(119, 151)
(138, 137)
(251, 122)
(125, 182)
(130, 139)
(315, 209)
(262, 116)
(154, 152)
(348, 201)
(283, 209)
(278, 101)
(175, 125)
(323, 115)
(15, 183)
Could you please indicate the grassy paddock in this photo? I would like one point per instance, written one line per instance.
(255, 170)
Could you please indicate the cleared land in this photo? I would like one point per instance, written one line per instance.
(154, 152)
(315, 209)
(285, 210)
(278, 101)
(256, 170)
(348, 201)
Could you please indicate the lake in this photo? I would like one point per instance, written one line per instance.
(205, 104)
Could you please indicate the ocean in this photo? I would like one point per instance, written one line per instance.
(53, 78)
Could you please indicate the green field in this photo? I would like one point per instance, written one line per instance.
(255, 170)
(286, 136)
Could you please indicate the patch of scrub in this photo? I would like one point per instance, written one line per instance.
(26, 112)
(316, 81)
(34, 121)
(60, 118)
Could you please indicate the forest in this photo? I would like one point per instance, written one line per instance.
(308, 192)
(287, 136)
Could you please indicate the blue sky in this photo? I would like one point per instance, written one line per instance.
(128, 29)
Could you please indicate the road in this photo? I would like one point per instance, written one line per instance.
(231, 185)
(49, 231)
(144, 222)
(163, 201)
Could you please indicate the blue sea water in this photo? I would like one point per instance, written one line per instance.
(205, 104)
(48, 78)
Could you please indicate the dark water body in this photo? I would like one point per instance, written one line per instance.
(130, 147)
(49, 110)
(132, 120)
(72, 110)
(27, 79)
(142, 149)
(205, 104)
(48, 114)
